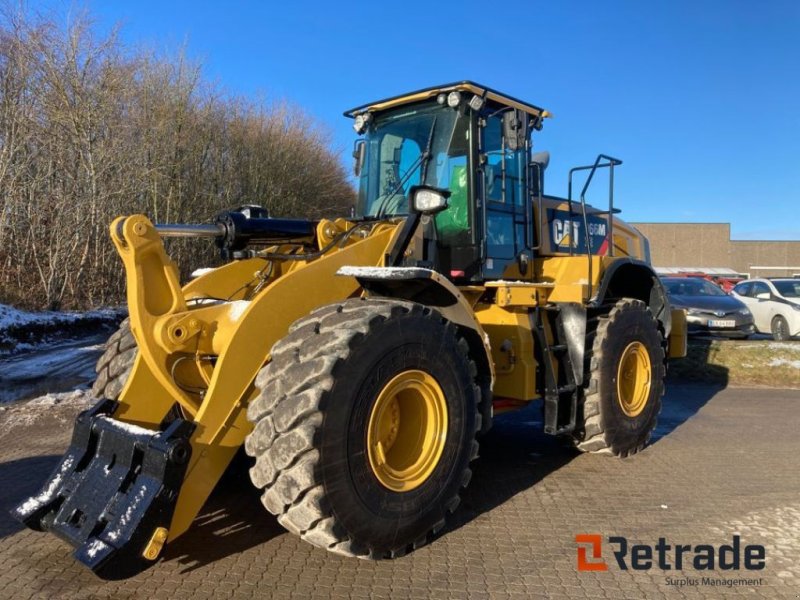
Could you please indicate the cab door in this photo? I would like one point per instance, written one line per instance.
(504, 193)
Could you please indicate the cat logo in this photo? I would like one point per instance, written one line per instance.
(566, 233)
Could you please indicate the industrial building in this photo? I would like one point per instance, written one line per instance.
(704, 246)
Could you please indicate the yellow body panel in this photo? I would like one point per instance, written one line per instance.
(511, 341)
(678, 337)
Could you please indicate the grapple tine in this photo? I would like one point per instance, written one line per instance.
(113, 493)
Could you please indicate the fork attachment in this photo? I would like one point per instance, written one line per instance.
(113, 493)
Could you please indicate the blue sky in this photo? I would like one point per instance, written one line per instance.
(699, 98)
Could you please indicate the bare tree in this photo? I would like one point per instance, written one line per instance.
(89, 132)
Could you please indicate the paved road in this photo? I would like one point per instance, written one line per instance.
(723, 463)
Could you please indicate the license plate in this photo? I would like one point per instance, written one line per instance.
(724, 323)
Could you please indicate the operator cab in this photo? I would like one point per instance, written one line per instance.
(470, 145)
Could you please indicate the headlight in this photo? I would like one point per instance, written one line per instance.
(361, 122)
(694, 311)
(453, 99)
(796, 306)
(429, 200)
(746, 312)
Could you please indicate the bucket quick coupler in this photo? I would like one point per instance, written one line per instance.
(113, 494)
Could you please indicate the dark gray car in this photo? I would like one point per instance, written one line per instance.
(708, 308)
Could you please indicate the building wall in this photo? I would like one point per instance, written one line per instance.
(708, 245)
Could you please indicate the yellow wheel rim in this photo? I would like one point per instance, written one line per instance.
(634, 379)
(407, 430)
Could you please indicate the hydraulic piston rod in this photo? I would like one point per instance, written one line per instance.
(185, 230)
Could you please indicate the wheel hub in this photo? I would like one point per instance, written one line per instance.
(634, 379)
(407, 430)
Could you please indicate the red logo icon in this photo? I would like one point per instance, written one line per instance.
(596, 543)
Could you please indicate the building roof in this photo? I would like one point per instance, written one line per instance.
(725, 272)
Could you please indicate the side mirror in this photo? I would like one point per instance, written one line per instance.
(764, 296)
(428, 200)
(515, 129)
(359, 151)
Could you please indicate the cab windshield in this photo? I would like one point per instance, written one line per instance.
(395, 144)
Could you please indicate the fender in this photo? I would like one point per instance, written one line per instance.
(428, 287)
(632, 278)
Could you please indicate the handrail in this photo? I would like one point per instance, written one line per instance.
(612, 162)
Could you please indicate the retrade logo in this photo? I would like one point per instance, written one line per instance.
(662, 555)
(595, 542)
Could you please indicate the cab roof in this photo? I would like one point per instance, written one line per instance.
(462, 86)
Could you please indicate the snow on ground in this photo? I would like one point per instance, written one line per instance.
(781, 362)
(50, 351)
(24, 414)
(22, 331)
(11, 317)
(50, 367)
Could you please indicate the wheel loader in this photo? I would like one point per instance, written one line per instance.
(360, 360)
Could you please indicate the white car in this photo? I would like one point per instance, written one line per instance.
(775, 304)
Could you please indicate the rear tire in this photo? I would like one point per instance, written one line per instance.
(313, 427)
(620, 413)
(780, 329)
(114, 366)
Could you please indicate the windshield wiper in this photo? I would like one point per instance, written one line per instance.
(422, 160)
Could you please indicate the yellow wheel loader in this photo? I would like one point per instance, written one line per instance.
(359, 360)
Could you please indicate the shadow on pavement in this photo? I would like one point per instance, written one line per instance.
(698, 365)
(515, 455)
(232, 520)
(680, 404)
(21, 479)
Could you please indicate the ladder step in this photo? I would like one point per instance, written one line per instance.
(558, 348)
(570, 387)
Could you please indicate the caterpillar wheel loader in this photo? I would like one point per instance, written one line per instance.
(359, 360)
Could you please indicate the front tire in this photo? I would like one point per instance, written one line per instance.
(116, 363)
(624, 381)
(365, 426)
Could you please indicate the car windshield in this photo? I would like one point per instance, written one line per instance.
(788, 288)
(692, 287)
(395, 144)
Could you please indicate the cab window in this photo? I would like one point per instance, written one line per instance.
(504, 190)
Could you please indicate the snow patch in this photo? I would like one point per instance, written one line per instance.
(129, 427)
(237, 309)
(783, 346)
(202, 271)
(781, 362)
(26, 414)
(22, 331)
(113, 536)
(34, 503)
(382, 272)
(94, 547)
(14, 317)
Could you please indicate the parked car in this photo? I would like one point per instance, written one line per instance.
(775, 304)
(708, 308)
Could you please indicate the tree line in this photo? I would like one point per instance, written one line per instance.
(90, 130)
